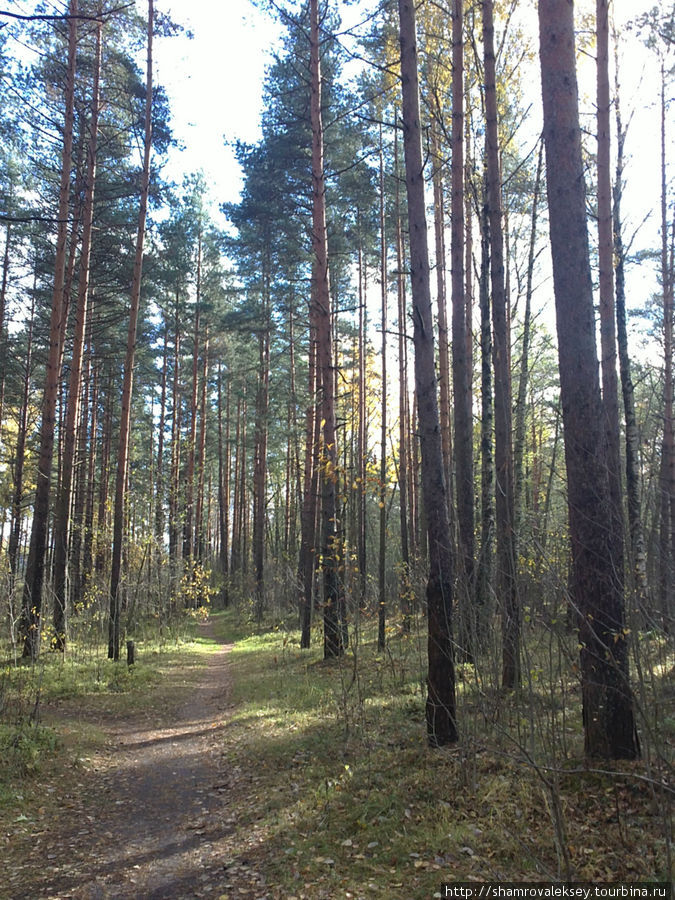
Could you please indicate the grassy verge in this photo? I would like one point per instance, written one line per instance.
(53, 713)
(345, 799)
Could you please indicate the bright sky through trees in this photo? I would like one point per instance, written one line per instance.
(215, 81)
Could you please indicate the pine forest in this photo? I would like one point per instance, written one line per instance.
(337, 520)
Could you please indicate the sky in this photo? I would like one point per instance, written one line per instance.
(215, 83)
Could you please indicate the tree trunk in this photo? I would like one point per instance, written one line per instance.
(635, 525)
(29, 627)
(200, 525)
(596, 592)
(321, 315)
(667, 475)
(523, 380)
(440, 705)
(461, 378)
(382, 561)
(484, 582)
(188, 523)
(127, 388)
(63, 501)
(506, 551)
(20, 450)
(260, 450)
(610, 393)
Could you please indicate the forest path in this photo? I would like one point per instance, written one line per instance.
(154, 815)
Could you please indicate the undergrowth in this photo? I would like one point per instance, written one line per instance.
(348, 800)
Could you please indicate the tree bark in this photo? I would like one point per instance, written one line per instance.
(321, 314)
(610, 391)
(127, 388)
(29, 627)
(506, 550)
(635, 523)
(62, 518)
(596, 592)
(461, 379)
(440, 705)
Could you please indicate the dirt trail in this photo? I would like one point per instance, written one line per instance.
(155, 818)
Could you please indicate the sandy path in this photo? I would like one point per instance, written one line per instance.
(158, 818)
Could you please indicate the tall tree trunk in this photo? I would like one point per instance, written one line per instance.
(403, 429)
(224, 486)
(667, 475)
(20, 449)
(174, 486)
(382, 561)
(461, 377)
(440, 705)
(103, 486)
(596, 592)
(200, 524)
(88, 538)
(441, 303)
(610, 391)
(506, 551)
(260, 449)
(63, 500)
(362, 448)
(523, 379)
(635, 524)
(321, 314)
(127, 387)
(307, 556)
(29, 627)
(159, 471)
(484, 581)
(3, 308)
(189, 524)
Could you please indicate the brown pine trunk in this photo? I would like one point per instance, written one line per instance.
(667, 474)
(596, 593)
(88, 537)
(635, 524)
(29, 626)
(523, 379)
(62, 511)
(440, 705)
(159, 469)
(260, 452)
(442, 306)
(362, 448)
(200, 524)
(382, 558)
(224, 486)
(188, 522)
(114, 623)
(103, 487)
(3, 306)
(20, 449)
(174, 486)
(484, 581)
(506, 551)
(307, 557)
(610, 391)
(461, 360)
(321, 316)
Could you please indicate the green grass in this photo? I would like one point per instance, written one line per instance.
(335, 789)
(48, 709)
(347, 798)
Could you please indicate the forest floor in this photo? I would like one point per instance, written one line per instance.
(251, 769)
(150, 813)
